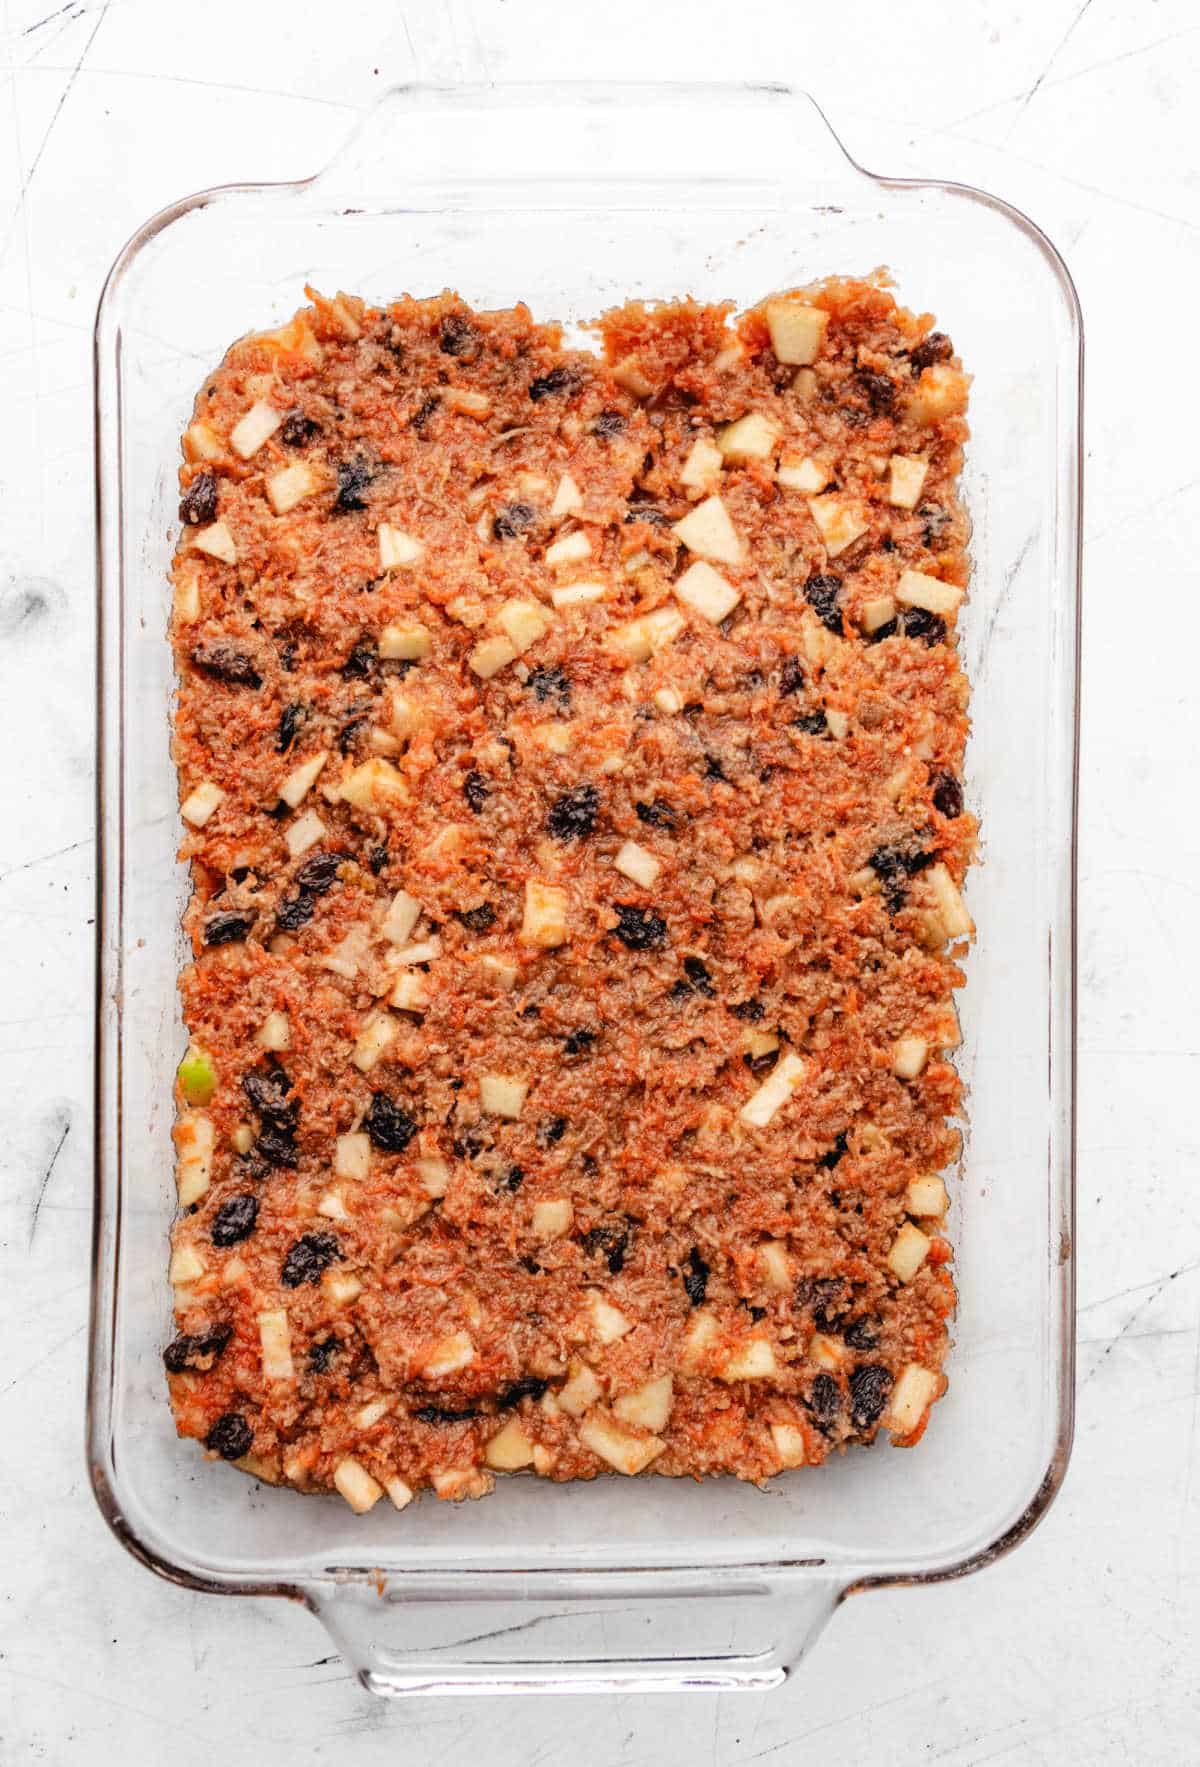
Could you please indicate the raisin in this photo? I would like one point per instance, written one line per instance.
(349, 735)
(361, 661)
(896, 862)
(513, 1179)
(832, 1155)
(550, 1131)
(609, 424)
(579, 1042)
(388, 1124)
(610, 1243)
(870, 1385)
(753, 1010)
(199, 501)
(656, 815)
(825, 1296)
(478, 920)
(230, 1436)
(761, 1064)
(528, 1387)
(277, 1145)
(268, 1093)
(235, 1220)
(714, 770)
(295, 912)
(322, 1354)
(443, 1414)
(296, 430)
(934, 348)
(475, 790)
(290, 720)
(199, 1353)
(919, 623)
(697, 974)
(639, 930)
(227, 929)
(424, 412)
(559, 380)
(573, 815)
(309, 1258)
(947, 795)
(824, 1399)
(512, 520)
(457, 337)
(791, 676)
(695, 1278)
(879, 390)
(861, 1334)
(811, 723)
(224, 663)
(377, 858)
(887, 630)
(551, 684)
(822, 594)
(353, 477)
(468, 1146)
(319, 873)
(278, 811)
(647, 512)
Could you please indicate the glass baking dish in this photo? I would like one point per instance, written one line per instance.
(573, 198)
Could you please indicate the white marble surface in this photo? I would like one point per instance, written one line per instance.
(1083, 1646)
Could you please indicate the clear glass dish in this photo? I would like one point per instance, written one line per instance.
(573, 198)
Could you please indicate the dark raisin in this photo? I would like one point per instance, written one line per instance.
(309, 1258)
(879, 390)
(713, 769)
(290, 720)
(199, 501)
(695, 1277)
(823, 594)
(297, 431)
(361, 661)
(761, 1064)
(609, 424)
(550, 1131)
(824, 1399)
(278, 811)
(353, 477)
(573, 815)
(322, 1354)
(791, 676)
(224, 663)
(528, 1387)
(919, 623)
(513, 1179)
(896, 862)
(268, 1093)
(551, 684)
(832, 1155)
(512, 520)
(277, 1145)
(475, 790)
(199, 1353)
(468, 1146)
(639, 929)
(530, 1264)
(227, 929)
(230, 1436)
(287, 657)
(947, 795)
(559, 380)
(579, 1042)
(531, 1011)
(811, 723)
(753, 1010)
(887, 630)
(250, 1165)
(756, 1313)
(350, 733)
(478, 920)
(388, 1124)
(656, 815)
(825, 1297)
(647, 512)
(444, 1414)
(319, 873)
(862, 1334)
(457, 337)
(934, 348)
(887, 544)
(424, 412)
(295, 912)
(697, 974)
(377, 858)
(235, 1220)
(609, 1242)
(870, 1385)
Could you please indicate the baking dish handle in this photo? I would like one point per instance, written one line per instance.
(698, 1631)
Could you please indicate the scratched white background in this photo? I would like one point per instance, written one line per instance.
(1084, 1646)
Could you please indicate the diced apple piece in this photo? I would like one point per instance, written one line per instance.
(448, 1355)
(569, 550)
(877, 612)
(608, 1322)
(568, 499)
(926, 1197)
(194, 1139)
(648, 1406)
(256, 427)
(401, 917)
(707, 592)
(552, 1219)
(637, 864)
(909, 1055)
(759, 1043)
(916, 589)
(708, 531)
(633, 378)
(290, 486)
(466, 610)
(434, 1175)
(423, 951)
(826, 1352)
(907, 480)
(341, 1287)
(796, 329)
(575, 594)
(217, 541)
(910, 1248)
(200, 803)
(951, 909)
(510, 1448)
(186, 1266)
(502, 1095)
(910, 1399)
(668, 701)
(275, 1032)
(753, 437)
(296, 784)
(304, 833)
(464, 400)
(802, 475)
(377, 1034)
(753, 1360)
(702, 469)
(524, 622)
(774, 1264)
(202, 443)
(345, 958)
(185, 602)
(545, 919)
(580, 1391)
(789, 1443)
(644, 637)
(333, 1207)
(352, 1155)
(275, 1338)
(400, 1493)
(372, 784)
(774, 1092)
(698, 1339)
(411, 993)
(940, 392)
(367, 1416)
(623, 1452)
(242, 1138)
(356, 1485)
(457, 1483)
(837, 722)
(408, 643)
(839, 523)
(491, 655)
(501, 971)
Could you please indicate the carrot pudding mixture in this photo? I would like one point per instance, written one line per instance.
(570, 752)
